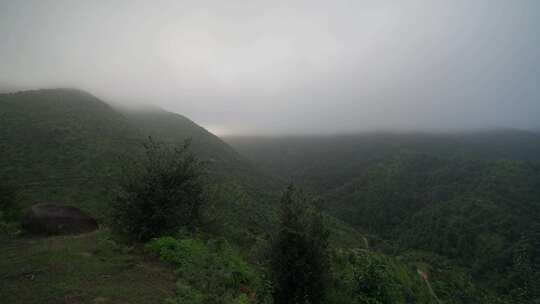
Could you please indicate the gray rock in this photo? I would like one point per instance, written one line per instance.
(56, 219)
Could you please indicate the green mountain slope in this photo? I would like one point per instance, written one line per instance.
(479, 213)
(65, 146)
(462, 201)
(61, 146)
(323, 163)
(58, 133)
(172, 127)
(224, 163)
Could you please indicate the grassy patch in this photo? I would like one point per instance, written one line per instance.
(88, 268)
(208, 271)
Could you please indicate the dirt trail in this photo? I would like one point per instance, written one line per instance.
(425, 277)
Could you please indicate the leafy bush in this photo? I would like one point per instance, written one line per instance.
(185, 294)
(159, 194)
(208, 272)
(360, 276)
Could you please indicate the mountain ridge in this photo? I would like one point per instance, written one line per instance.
(58, 134)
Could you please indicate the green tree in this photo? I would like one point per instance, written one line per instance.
(160, 193)
(299, 264)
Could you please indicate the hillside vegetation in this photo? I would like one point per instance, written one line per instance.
(80, 269)
(66, 146)
(409, 218)
(464, 203)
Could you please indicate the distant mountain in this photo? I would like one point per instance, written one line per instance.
(326, 162)
(9, 88)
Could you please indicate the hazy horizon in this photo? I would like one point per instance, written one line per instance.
(300, 67)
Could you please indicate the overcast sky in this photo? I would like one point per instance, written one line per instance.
(276, 67)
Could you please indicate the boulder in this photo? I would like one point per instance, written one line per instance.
(56, 219)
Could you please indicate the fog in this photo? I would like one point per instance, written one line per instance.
(288, 67)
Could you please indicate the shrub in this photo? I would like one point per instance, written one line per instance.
(208, 272)
(185, 294)
(159, 194)
(361, 276)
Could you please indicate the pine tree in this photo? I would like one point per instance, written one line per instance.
(299, 255)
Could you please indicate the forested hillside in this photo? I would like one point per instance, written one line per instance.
(468, 200)
(409, 218)
(223, 161)
(325, 162)
(62, 145)
(270, 152)
(67, 145)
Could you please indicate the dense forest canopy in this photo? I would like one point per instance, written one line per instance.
(472, 198)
